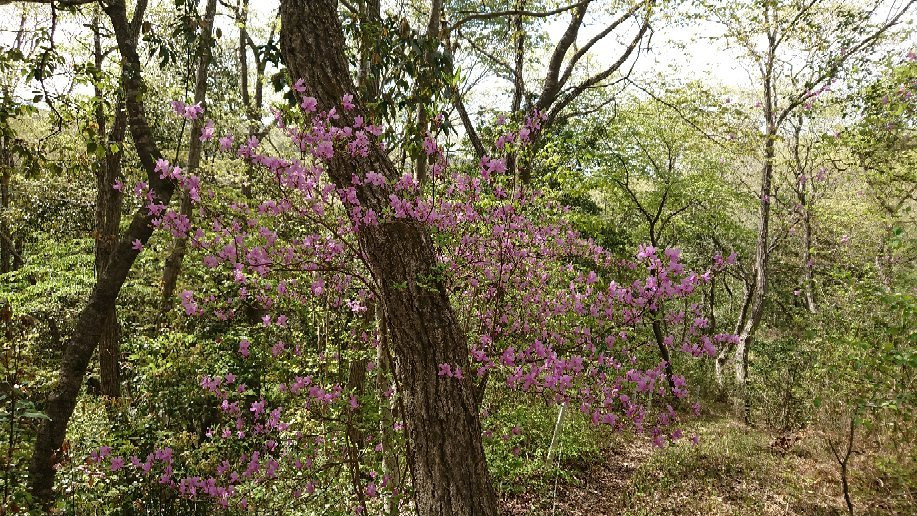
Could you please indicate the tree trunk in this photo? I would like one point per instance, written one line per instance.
(82, 342)
(753, 305)
(6, 238)
(391, 471)
(658, 334)
(512, 165)
(756, 294)
(423, 93)
(370, 29)
(446, 455)
(558, 429)
(802, 196)
(107, 223)
(459, 105)
(172, 267)
(809, 286)
(18, 250)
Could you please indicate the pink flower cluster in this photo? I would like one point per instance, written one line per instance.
(547, 312)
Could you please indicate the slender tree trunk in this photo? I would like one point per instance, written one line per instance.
(658, 331)
(459, 106)
(723, 355)
(252, 106)
(756, 295)
(753, 307)
(84, 338)
(843, 459)
(558, 430)
(446, 455)
(6, 238)
(809, 284)
(423, 92)
(391, 470)
(664, 351)
(370, 29)
(173, 264)
(512, 164)
(18, 250)
(107, 223)
(802, 196)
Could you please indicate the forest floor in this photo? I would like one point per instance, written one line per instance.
(735, 469)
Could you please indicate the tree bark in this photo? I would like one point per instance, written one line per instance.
(370, 28)
(252, 106)
(446, 455)
(801, 189)
(107, 223)
(756, 294)
(423, 93)
(390, 467)
(82, 342)
(809, 286)
(512, 167)
(173, 264)
(6, 239)
(753, 305)
(558, 429)
(459, 104)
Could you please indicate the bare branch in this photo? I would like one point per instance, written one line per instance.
(835, 67)
(59, 3)
(513, 12)
(678, 111)
(598, 37)
(599, 77)
(551, 80)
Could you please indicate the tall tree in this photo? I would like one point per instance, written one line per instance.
(565, 77)
(195, 147)
(84, 337)
(107, 216)
(445, 454)
(423, 89)
(773, 34)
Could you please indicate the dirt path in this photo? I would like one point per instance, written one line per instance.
(597, 488)
(735, 470)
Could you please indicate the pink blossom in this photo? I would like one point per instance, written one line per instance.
(207, 131)
(226, 142)
(309, 104)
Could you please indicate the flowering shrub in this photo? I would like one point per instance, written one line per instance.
(546, 312)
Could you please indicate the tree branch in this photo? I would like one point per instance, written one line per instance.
(598, 37)
(512, 12)
(599, 77)
(551, 81)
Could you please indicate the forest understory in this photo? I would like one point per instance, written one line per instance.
(747, 470)
(458, 257)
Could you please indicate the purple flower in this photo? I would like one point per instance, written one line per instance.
(207, 131)
(226, 142)
(309, 104)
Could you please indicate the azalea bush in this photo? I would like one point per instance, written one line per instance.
(307, 404)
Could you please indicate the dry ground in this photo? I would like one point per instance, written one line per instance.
(733, 470)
